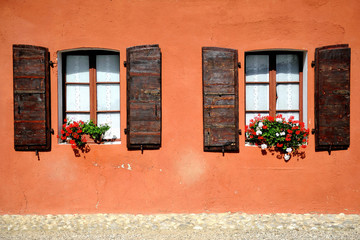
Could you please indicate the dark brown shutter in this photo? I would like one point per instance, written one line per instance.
(332, 97)
(220, 99)
(143, 75)
(31, 74)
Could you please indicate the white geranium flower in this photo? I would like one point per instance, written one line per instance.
(277, 134)
(263, 146)
(289, 150)
(260, 125)
(286, 157)
(258, 132)
(282, 133)
(279, 120)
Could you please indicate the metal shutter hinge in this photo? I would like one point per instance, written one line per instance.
(239, 131)
(313, 64)
(126, 131)
(313, 131)
(239, 64)
(51, 63)
(125, 64)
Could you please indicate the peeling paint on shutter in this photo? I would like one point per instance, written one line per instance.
(31, 75)
(143, 77)
(220, 99)
(332, 98)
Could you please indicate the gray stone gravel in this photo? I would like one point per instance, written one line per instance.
(181, 226)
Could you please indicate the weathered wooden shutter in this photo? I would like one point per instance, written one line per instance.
(31, 74)
(143, 75)
(220, 99)
(332, 98)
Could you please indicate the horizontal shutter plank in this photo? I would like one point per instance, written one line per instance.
(144, 138)
(145, 126)
(143, 112)
(219, 136)
(30, 133)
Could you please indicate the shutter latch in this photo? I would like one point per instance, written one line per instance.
(313, 64)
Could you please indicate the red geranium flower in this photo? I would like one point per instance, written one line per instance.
(265, 127)
(297, 132)
(289, 131)
(279, 145)
(73, 146)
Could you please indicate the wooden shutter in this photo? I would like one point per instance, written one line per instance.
(31, 75)
(220, 99)
(143, 75)
(332, 97)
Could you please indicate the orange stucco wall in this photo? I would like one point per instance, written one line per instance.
(179, 177)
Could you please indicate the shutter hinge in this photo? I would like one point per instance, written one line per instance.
(51, 63)
(313, 64)
(125, 64)
(329, 150)
(239, 64)
(239, 131)
(126, 131)
(52, 131)
(313, 131)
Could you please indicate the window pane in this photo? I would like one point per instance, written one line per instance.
(78, 116)
(288, 96)
(257, 68)
(77, 69)
(107, 68)
(108, 97)
(249, 116)
(113, 120)
(286, 115)
(77, 98)
(257, 97)
(287, 67)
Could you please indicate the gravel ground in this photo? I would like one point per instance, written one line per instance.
(181, 226)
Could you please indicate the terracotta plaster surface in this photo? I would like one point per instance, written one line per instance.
(180, 177)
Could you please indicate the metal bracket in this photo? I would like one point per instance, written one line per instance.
(51, 63)
(313, 131)
(37, 154)
(125, 63)
(52, 131)
(239, 64)
(313, 64)
(142, 149)
(239, 131)
(223, 150)
(329, 150)
(126, 131)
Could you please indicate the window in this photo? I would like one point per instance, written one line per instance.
(274, 84)
(91, 88)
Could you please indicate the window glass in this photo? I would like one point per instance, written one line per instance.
(77, 69)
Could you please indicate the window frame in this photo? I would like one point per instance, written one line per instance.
(91, 53)
(272, 83)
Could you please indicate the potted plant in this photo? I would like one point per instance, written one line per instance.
(94, 131)
(75, 132)
(284, 136)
